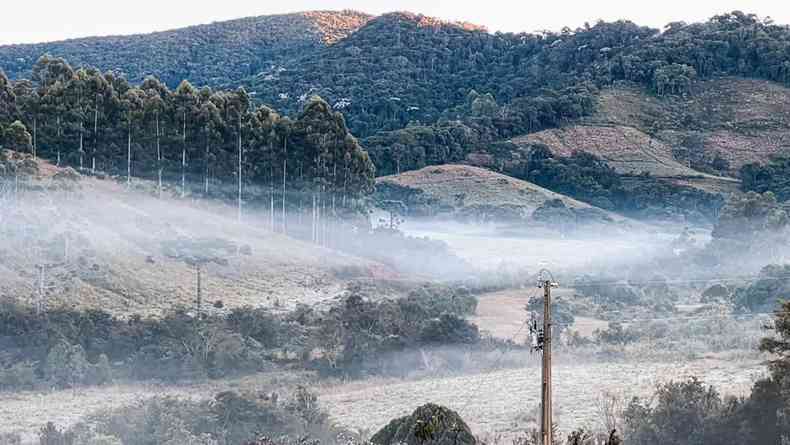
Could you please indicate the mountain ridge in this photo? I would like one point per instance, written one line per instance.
(248, 41)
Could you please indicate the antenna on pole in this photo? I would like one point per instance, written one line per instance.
(546, 282)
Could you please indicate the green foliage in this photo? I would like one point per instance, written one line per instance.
(590, 179)
(359, 333)
(85, 118)
(751, 216)
(679, 415)
(779, 344)
(616, 334)
(212, 54)
(428, 425)
(561, 313)
(20, 375)
(16, 137)
(690, 413)
(52, 435)
(419, 91)
(673, 79)
(769, 290)
(449, 329)
(771, 177)
(69, 348)
(229, 417)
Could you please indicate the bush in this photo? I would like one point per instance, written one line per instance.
(66, 365)
(19, 376)
(229, 417)
(449, 329)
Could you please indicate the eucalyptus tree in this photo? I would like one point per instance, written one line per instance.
(77, 108)
(7, 99)
(283, 128)
(28, 105)
(186, 103)
(211, 120)
(155, 107)
(97, 94)
(238, 105)
(133, 104)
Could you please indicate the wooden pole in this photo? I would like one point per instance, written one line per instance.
(546, 417)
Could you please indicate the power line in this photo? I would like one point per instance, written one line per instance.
(691, 318)
(502, 352)
(732, 278)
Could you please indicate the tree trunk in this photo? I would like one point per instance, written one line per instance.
(208, 148)
(184, 158)
(82, 151)
(240, 172)
(285, 167)
(129, 157)
(59, 139)
(35, 128)
(158, 158)
(271, 188)
(95, 134)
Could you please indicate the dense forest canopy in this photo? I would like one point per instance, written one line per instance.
(212, 54)
(198, 137)
(398, 70)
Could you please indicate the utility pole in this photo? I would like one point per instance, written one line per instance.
(40, 304)
(198, 291)
(546, 422)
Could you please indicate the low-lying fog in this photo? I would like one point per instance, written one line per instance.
(494, 245)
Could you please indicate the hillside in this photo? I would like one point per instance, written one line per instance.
(697, 139)
(418, 91)
(396, 68)
(628, 150)
(464, 191)
(104, 246)
(211, 54)
(740, 120)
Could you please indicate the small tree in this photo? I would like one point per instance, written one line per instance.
(17, 137)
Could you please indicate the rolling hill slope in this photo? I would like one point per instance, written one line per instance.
(741, 120)
(104, 246)
(465, 191)
(700, 139)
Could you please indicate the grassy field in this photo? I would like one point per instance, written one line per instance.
(462, 187)
(504, 401)
(104, 247)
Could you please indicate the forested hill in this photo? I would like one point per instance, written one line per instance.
(419, 91)
(211, 54)
(402, 68)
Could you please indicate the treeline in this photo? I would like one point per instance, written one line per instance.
(68, 348)
(590, 179)
(772, 176)
(194, 139)
(400, 82)
(424, 92)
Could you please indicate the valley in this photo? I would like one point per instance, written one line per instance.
(299, 229)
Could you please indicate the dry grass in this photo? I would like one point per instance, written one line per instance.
(494, 402)
(741, 120)
(466, 187)
(744, 120)
(628, 150)
(115, 260)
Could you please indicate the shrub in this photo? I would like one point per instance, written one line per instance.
(21, 375)
(449, 329)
